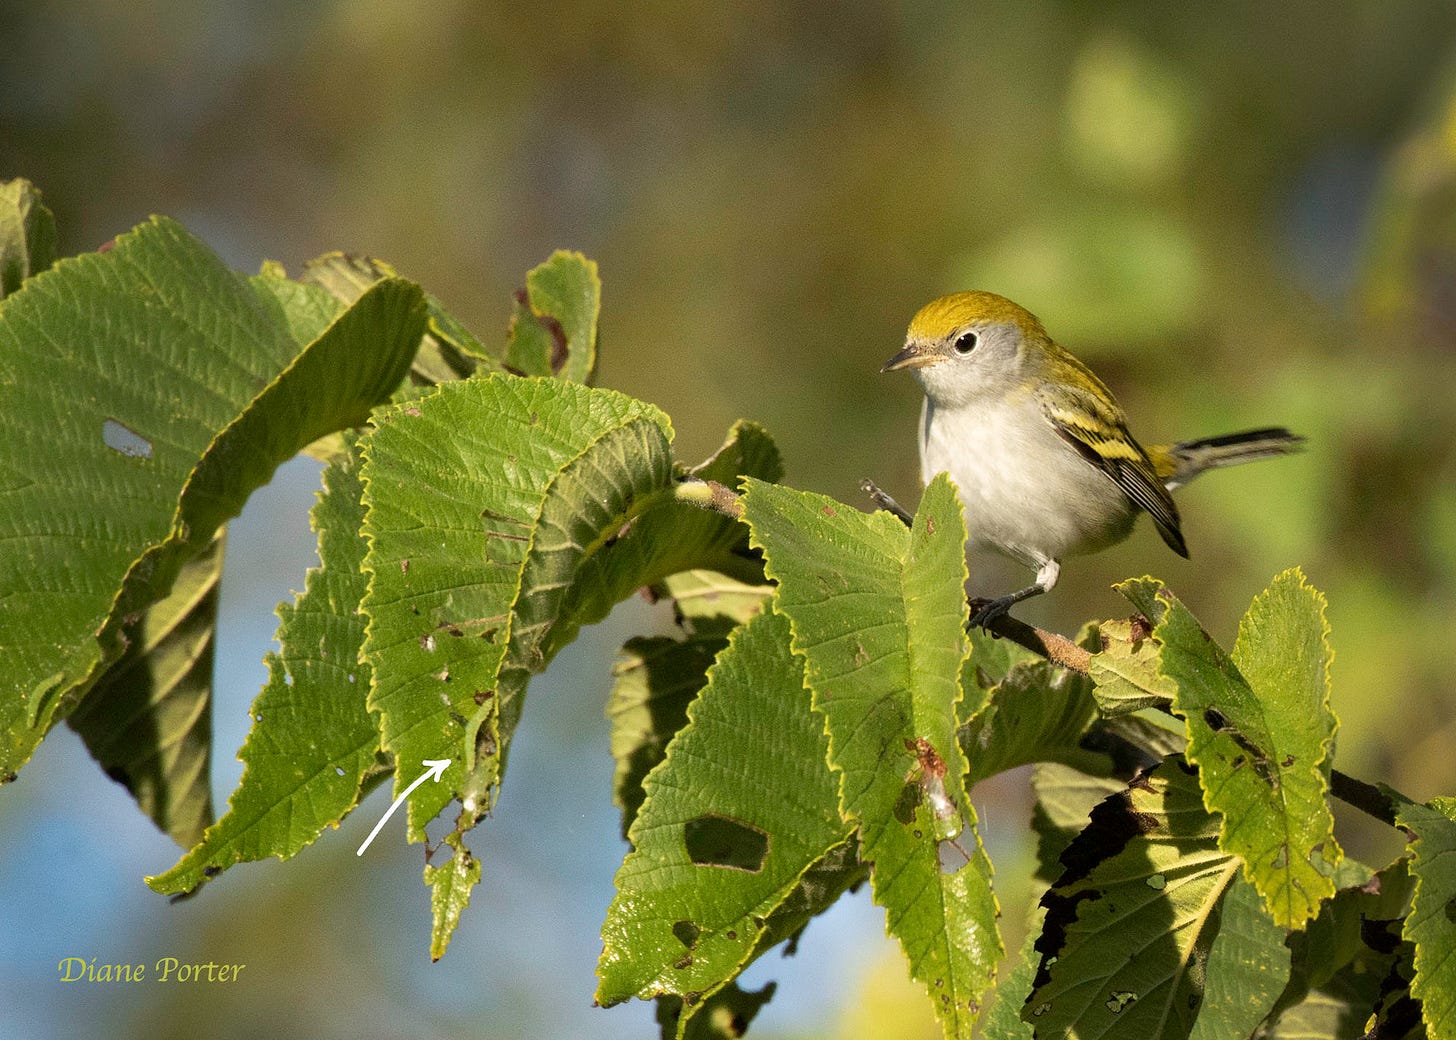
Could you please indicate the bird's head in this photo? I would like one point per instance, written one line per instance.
(969, 344)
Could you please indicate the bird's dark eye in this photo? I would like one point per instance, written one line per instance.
(965, 343)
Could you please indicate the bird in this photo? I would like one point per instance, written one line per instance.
(1038, 447)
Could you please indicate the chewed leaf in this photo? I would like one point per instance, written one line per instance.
(240, 398)
(1261, 731)
(554, 325)
(878, 615)
(313, 742)
(455, 485)
(1126, 669)
(1146, 904)
(503, 514)
(450, 887)
(736, 817)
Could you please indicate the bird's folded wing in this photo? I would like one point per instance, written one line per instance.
(1097, 429)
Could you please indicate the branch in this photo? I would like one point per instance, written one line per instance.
(1057, 649)
(882, 499)
(1368, 798)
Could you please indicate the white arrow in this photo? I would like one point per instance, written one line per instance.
(434, 772)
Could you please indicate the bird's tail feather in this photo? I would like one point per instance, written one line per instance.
(1181, 462)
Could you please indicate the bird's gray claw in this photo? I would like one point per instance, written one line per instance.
(985, 611)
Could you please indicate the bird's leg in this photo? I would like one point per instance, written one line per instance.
(985, 611)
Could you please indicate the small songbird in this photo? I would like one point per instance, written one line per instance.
(1037, 445)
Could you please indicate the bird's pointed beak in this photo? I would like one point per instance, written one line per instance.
(915, 355)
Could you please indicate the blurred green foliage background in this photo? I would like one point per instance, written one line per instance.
(1239, 214)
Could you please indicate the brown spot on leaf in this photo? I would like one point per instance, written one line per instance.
(559, 351)
(926, 757)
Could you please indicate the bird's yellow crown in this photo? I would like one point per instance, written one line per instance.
(939, 318)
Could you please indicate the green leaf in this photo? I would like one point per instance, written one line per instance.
(305, 310)
(449, 351)
(708, 599)
(1339, 1008)
(1247, 967)
(1431, 925)
(725, 1015)
(313, 744)
(878, 614)
(1065, 798)
(990, 661)
(1137, 918)
(455, 485)
(656, 679)
(1261, 731)
(450, 887)
(736, 817)
(181, 453)
(1398, 1014)
(714, 572)
(503, 514)
(27, 235)
(148, 721)
(554, 325)
(1126, 671)
(607, 527)
(1337, 936)
(1339, 958)
(1003, 1016)
(1038, 713)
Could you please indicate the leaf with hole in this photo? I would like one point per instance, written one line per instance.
(878, 614)
(1261, 731)
(240, 398)
(554, 324)
(736, 820)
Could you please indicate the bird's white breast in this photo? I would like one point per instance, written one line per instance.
(1027, 492)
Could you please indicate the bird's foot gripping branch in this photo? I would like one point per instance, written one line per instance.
(818, 718)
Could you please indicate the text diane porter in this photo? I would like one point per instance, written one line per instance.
(166, 969)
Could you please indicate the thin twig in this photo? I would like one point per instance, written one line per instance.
(882, 499)
(1357, 794)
